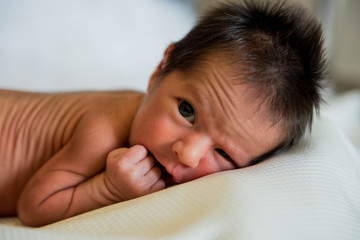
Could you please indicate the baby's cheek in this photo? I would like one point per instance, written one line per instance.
(210, 167)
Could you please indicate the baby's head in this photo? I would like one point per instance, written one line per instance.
(242, 84)
(274, 48)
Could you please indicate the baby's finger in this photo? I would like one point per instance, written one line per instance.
(117, 153)
(152, 176)
(159, 185)
(135, 154)
(145, 165)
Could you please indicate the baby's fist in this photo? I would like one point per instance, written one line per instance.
(131, 173)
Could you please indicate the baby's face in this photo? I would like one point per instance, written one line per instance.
(199, 124)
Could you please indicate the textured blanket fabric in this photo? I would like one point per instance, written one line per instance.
(312, 192)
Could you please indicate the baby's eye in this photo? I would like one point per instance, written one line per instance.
(187, 111)
(223, 154)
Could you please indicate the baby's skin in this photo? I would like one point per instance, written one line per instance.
(75, 131)
(63, 154)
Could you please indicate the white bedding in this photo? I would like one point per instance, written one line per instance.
(312, 192)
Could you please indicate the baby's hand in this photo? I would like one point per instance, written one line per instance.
(131, 173)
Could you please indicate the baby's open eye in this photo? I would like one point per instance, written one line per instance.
(223, 154)
(187, 111)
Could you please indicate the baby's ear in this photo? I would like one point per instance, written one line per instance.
(155, 75)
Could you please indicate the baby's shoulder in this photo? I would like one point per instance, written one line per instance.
(115, 101)
(109, 110)
(108, 117)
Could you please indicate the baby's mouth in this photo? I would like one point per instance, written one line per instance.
(167, 177)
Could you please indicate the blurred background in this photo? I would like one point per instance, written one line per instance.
(70, 45)
(81, 44)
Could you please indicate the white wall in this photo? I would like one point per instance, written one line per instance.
(50, 45)
(346, 65)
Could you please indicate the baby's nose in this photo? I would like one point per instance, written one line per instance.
(192, 149)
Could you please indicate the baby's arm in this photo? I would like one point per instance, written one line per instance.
(74, 180)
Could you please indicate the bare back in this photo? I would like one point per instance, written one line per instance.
(35, 126)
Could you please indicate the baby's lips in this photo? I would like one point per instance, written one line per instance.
(167, 177)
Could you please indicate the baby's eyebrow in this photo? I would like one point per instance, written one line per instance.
(195, 93)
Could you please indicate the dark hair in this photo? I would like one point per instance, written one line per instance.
(276, 46)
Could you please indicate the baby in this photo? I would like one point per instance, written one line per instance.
(241, 85)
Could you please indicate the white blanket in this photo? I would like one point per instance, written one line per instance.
(312, 192)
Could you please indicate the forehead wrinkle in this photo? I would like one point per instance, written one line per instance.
(219, 89)
(227, 124)
(238, 124)
(229, 103)
(233, 110)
